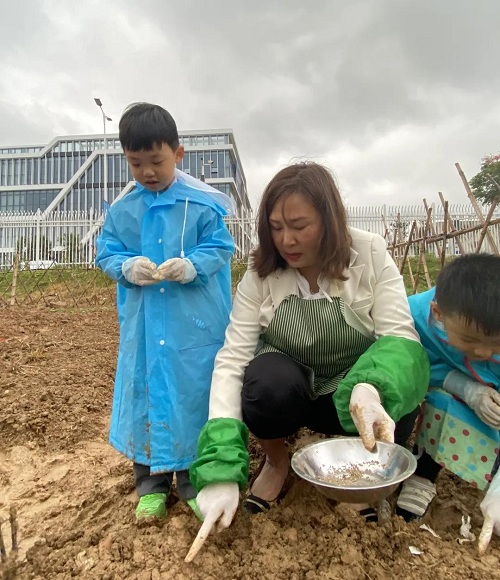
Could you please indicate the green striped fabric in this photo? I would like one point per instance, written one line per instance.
(314, 333)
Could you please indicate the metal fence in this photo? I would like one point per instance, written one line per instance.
(40, 240)
(394, 223)
(50, 257)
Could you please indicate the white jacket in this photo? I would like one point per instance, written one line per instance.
(375, 305)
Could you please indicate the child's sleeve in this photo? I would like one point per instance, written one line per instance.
(214, 249)
(439, 370)
(112, 252)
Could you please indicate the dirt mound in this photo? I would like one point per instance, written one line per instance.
(57, 374)
(75, 496)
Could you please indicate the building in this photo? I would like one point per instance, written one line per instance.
(69, 174)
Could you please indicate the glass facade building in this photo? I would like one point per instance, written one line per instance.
(68, 173)
(65, 180)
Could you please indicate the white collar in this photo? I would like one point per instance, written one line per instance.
(305, 289)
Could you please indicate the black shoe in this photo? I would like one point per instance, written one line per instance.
(406, 515)
(256, 505)
(369, 514)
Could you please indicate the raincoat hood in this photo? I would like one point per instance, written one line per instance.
(197, 191)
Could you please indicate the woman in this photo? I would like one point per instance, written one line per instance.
(320, 336)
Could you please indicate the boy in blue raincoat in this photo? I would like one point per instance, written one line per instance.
(459, 326)
(166, 245)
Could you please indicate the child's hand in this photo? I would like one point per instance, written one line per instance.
(485, 402)
(177, 270)
(140, 270)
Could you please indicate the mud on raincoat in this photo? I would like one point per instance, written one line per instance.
(169, 332)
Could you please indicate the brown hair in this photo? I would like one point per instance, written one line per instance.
(316, 184)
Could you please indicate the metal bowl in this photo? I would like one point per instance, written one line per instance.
(342, 469)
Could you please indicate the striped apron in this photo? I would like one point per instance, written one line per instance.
(315, 334)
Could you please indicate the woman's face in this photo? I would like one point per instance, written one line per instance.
(297, 229)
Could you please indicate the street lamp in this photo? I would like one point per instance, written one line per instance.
(105, 160)
(203, 164)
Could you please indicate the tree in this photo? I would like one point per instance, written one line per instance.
(486, 184)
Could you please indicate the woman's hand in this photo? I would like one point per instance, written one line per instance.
(219, 500)
(216, 501)
(370, 418)
(490, 506)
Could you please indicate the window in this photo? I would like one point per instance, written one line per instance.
(3, 173)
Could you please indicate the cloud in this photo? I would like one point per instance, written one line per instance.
(388, 94)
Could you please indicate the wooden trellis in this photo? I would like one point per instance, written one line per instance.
(430, 236)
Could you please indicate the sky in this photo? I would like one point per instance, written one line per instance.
(389, 94)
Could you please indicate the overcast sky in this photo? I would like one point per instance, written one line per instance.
(388, 93)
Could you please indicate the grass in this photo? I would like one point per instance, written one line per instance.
(75, 281)
(33, 284)
(433, 268)
(79, 281)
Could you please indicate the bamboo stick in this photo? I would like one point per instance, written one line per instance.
(410, 273)
(452, 227)
(426, 272)
(386, 228)
(445, 231)
(401, 236)
(486, 225)
(421, 253)
(439, 237)
(433, 229)
(14, 280)
(479, 213)
(394, 243)
(407, 248)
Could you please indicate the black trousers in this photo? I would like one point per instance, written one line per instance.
(276, 402)
(146, 483)
(426, 466)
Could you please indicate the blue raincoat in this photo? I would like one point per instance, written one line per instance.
(442, 356)
(169, 332)
(451, 433)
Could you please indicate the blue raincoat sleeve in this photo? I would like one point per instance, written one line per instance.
(420, 305)
(214, 250)
(112, 252)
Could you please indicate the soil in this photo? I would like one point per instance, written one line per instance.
(75, 498)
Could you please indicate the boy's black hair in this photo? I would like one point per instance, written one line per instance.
(470, 287)
(144, 125)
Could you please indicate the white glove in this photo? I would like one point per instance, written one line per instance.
(484, 401)
(177, 270)
(490, 506)
(370, 418)
(218, 500)
(140, 270)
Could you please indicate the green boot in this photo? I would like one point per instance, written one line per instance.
(194, 506)
(153, 505)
